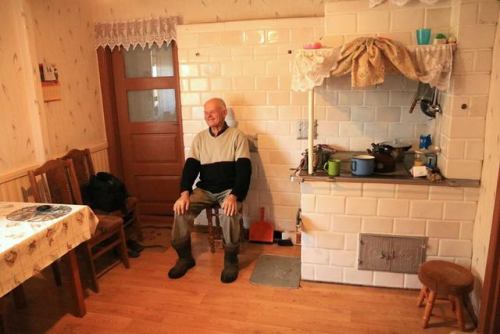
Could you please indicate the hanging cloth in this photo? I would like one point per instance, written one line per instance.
(136, 32)
(367, 58)
(435, 64)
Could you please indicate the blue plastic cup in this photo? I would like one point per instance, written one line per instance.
(423, 36)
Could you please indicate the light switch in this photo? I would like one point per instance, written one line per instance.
(302, 127)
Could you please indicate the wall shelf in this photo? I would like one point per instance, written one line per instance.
(51, 91)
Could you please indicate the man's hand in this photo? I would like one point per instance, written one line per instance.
(182, 203)
(230, 205)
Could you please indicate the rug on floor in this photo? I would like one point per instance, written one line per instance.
(279, 271)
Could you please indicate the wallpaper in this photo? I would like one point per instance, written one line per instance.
(64, 36)
(16, 140)
(205, 11)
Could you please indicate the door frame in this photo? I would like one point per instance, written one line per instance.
(106, 76)
(110, 111)
(489, 314)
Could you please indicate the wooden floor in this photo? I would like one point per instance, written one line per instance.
(143, 300)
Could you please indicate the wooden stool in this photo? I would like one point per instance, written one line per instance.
(215, 232)
(448, 281)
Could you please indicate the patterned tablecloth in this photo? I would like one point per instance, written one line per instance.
(30, 240)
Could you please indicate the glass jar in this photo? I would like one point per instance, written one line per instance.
(420, 158)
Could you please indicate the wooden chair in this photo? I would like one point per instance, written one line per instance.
(445, 280)
(56, 182)
(215, 232)
(84, 168)
(3, 316)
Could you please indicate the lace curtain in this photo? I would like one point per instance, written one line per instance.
(136, 32)
(375, 3)
(366, 59)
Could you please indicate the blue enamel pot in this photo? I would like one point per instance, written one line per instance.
(362, 165)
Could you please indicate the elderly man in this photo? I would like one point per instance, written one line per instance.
(220, 156)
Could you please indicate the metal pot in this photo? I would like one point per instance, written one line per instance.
(363, 165)
(397, 148)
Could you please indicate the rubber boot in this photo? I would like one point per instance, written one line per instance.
(230, 271)
(185, 261)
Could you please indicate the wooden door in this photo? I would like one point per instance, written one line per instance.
(148, 108)
(489, 316)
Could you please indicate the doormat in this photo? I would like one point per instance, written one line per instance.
(279, 271)
(155, 237)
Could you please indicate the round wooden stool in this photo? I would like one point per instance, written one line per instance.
(445, 280)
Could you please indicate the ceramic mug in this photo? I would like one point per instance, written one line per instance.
(332, 167)
(362, 165)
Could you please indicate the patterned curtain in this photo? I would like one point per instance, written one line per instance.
(368, 59)
(136, 32)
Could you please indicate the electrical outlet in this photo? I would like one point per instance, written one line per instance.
(302, 127)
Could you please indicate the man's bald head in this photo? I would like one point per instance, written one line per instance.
(215, 112)
(218, 102)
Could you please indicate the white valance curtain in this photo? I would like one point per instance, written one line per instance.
(375, 3)
(136, 32)
(367, 59)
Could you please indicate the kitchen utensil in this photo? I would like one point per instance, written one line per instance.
(431, 107)
(362, 165)
(434, 108)
(261, 231)
(424, 106)
(422, 89)
(384, 162)
(397, 148)
(321, 154)
(332, 167)
(431, 160)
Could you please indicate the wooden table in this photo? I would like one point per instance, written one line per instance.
(31, 240)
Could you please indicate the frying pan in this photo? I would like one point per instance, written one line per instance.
(422, 90)
(430, 108)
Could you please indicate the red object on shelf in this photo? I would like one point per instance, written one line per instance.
(315, 45)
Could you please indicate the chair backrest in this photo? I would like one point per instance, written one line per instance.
(82, 161)
(55, 182)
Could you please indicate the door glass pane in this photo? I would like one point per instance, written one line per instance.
(152, 61)
(155, 105)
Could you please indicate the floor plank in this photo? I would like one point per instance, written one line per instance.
(143, 300)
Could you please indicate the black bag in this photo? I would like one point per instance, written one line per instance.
(105, 192)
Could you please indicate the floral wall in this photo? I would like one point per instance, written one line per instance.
(17, 140)
(33, 131)
(63, 33)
